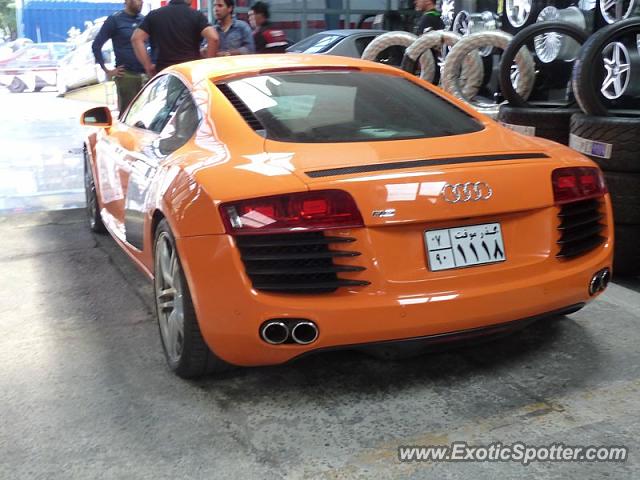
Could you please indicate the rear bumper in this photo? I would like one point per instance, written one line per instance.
(457, 338)
(230, 311)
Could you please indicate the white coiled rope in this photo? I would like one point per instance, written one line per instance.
(471, 70)
(452, 71)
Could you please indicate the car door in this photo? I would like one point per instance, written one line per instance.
(160, 120)
(122, 145)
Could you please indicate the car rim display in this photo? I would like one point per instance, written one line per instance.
(467, 23)
(617, 65)
(615, 10)
(552, 46)
(448, 13)
(169, 297)
(515, 75)
(518, 12)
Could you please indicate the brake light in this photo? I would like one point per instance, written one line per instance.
(577, 183)
(294, 212)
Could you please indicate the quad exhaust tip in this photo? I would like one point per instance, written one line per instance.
(304, 333)
(275, 333)
(278, 331)
(599, 281)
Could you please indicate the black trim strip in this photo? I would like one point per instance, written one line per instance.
(378, 167)
(451, 338)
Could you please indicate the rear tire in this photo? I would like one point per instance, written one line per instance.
(91, 197)
(185, 350)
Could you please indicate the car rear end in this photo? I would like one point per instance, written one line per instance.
(457, 227)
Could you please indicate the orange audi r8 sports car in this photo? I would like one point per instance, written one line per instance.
(284, 204)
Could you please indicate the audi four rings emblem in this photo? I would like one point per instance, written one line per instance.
(466, 192)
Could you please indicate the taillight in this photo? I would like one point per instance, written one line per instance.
(577, 183)
(294, 212)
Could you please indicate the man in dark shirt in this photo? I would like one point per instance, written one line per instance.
(428, 17)
(176, 31)
(266, 38)
(235, 35)
(129, 73)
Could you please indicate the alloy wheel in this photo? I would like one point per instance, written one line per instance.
(617, 66)
(448, 9)
(615, 10)
(169, 297)
(518, 12)
(552, 46)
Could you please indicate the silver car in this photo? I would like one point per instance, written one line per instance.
(346, 42)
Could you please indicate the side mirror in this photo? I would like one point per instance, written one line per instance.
(97, 117)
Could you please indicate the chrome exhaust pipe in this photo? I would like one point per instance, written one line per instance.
(304, 333)
(275, 333)
(599, 281)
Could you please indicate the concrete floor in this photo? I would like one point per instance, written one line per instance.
(41, 152)
(84, 391)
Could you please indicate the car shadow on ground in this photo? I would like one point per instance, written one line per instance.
(555, 355)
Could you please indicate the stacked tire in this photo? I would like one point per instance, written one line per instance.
(541, 119)
(608, 132)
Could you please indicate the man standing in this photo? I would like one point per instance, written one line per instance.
(429, 18)
(266, 38)
(235, 35)
(129, 72)
(176, 31)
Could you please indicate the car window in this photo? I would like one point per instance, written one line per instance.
(152, 109)
(316, 44)
(183, 123)
(348, 106)
(363, 42)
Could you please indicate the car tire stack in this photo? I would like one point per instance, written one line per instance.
(609, 134)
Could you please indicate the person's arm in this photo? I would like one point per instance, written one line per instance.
(248, 46)
(138, 40)
(105, 33)
(213, 41)
(260, 42)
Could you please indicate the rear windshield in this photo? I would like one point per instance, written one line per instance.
(348, 106)
(316, 44)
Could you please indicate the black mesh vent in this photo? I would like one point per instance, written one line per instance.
(297, 262)
(580, 228)
(240, 106)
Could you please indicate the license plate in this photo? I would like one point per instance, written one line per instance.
(460, 247)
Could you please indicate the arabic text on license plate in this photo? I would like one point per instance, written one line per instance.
(464, 246)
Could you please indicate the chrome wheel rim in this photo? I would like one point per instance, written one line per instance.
(448, 13)
(169, 297)
(482, 22)
(552, 46)
(518, 12)
(547, 46)
(514, 75)
(461, 23)
(615, 10)
(617, 66)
